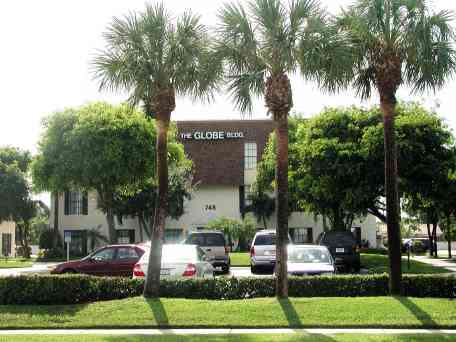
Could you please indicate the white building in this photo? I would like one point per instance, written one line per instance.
(225, 155)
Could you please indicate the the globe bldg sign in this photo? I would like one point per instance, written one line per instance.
(209, 135)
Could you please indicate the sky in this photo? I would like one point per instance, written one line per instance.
(47, 46)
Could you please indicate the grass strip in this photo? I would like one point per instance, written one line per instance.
(233, 338)
(360, 312)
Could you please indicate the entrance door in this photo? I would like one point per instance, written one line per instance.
(6, 244)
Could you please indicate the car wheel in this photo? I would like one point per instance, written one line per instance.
(69, 271)
(253, 269)
(225, 269)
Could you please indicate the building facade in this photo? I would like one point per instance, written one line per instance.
(7, 239)
(225, 155)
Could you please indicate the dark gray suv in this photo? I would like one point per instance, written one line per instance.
(343, 248)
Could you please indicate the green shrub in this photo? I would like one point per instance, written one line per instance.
(47, 238)
(382, 251)
(72, 289)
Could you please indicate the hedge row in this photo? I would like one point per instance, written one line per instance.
(72, 289)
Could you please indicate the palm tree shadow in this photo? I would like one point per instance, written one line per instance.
(421, 315)
(159, 312)
(290, 313)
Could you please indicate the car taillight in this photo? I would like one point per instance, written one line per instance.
(252, 252)
(190, 271)
(137, 271)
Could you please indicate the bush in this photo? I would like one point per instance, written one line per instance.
(382, 251)
(47, 237)
(73, 289)
(53, 253)
(23, 252)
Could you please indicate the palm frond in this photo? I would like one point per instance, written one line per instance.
(244, 87)
(430, 53)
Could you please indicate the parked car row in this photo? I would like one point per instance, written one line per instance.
(200, 255)
(204, 252)
(334, 251)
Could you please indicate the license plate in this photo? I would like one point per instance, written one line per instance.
(218, 268)
(340, 250)
(165, 272)
(269, 252)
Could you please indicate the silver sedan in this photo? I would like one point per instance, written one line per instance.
(309, 260)
(178, 261)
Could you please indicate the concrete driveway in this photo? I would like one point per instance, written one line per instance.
(37, 267)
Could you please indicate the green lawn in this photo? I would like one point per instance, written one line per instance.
(377, 263)
(233, 338)
(240, 259)
(15, 262)
(263, 312)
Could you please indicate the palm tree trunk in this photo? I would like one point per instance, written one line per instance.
(111, 226)
(282, 204)
(56, 219)
(141, 234)
(152, 285)
(392, 197)
(448, 236)
(428, 226)
(434, 238)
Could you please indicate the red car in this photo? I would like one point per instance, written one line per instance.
(112, 260)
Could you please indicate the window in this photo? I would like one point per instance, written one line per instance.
(6, 244)
(125, 236)
(78, 245)
(75, 203)
(302, 235)
(247, 195)
(173, 235)
(250, 156)
(126, 253)
(104, 255)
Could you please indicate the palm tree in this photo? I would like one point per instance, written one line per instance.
(95, 237)
(155, 57)
(386, 44)
(262, 43)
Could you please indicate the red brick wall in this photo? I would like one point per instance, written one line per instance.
(221, 162)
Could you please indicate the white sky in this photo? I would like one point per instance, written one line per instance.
(47, 46)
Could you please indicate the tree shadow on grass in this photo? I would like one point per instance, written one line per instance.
(159, 312)
(222, 338)
(419, 313)
(290, 313)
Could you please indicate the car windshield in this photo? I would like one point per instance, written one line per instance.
(206, 239)
(265, 239)
(309, 255)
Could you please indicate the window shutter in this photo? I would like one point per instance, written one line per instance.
(67, 203)
(132, 236)
(241, 200)
(85, 203)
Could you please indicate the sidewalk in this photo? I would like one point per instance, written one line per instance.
(445, 263)
(223, 331)
(37, 267)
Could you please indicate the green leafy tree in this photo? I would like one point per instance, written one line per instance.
(142, 203)
(49, 165)
(262, 44)
(13, 191)
(156, 57)
(388, 44)
(235, 230)
(104, 148)
(262, 204)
